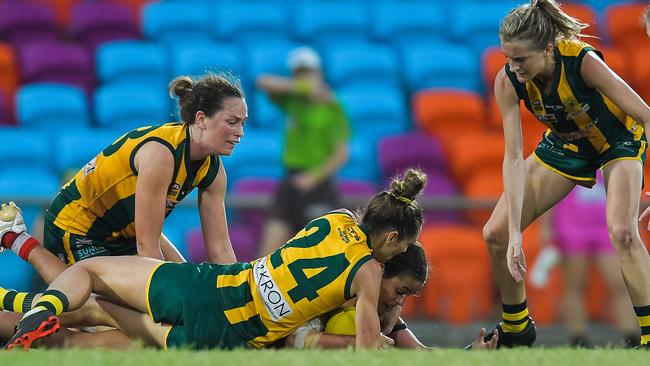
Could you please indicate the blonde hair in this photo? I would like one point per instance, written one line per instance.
(541, 22)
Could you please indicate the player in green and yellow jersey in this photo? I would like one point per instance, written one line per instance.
(334, 258)
(133, 184)
(595, 121)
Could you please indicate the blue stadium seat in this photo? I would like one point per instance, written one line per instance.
(268, 57)
(375, 111)
(258, 155)
(476, 23)
(77, 147)
(52, 106)
(136, 61)
(125, 106)
(28, 183)
(265, 114)
(353, 62)
(407, 21)
(196, 58)
(178, 223)
(362, 163)
(173, 22)
(23, 147)
(323, 22)
(17, 274)
(432, 64)
(244, 21)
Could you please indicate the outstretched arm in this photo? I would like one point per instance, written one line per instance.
(214, 225)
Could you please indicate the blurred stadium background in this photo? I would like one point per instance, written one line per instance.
(414, 76)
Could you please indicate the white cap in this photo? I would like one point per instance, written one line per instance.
(304, 57)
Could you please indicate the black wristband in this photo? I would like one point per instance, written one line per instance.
(398, 327)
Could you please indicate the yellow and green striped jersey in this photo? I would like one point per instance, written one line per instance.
(99, 201)
(307, 277)
(578, 116)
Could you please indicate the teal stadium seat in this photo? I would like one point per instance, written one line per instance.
(252, 20)
(476, 23)
(52, 106)
(326, 22)
(439, 64)
(196, 58)
(132, 61)
(75, 148)
(258, 155)
(374, 111)
(174, 22)
(125, 106)
(265, 114)
(360, 62)
(362, 164)
(396, 22)
(25, 148)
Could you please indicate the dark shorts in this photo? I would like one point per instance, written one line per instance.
(186, 296)
(71, 248)
(297, 208)
(556, 156)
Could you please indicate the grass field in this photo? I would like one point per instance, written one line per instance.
(442, 357)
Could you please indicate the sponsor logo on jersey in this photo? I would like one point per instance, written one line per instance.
(343, 235)
(274, 301)
(354, 234)
(89, 167)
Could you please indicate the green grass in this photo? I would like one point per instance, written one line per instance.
(442, 357)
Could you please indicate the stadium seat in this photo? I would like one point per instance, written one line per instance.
(624, 25)
(52, 107)
(56, 61)
(619, 60)
(476, 23)
(360, 62)
(258, 155)
(23, 148)
(266, 114)
(439, 65)
(19, 274)
(197, 58)
(447, 113)
(374, 111)
(461, 287)
(6, 111)
(95, 23)
(407, 21)
(77, 147)
(492, 60)
(256, 189)
(135, 61)
(8, 69)
(323, 22)
(476, 151)
(125, 106)
(532, 129)
(398, 152)
(361, 164)
(487, 186)
(253, 20)
(28, 183)
(641, 72)
(24, 23)
(174, 22)
(267, 57)
(586, 14)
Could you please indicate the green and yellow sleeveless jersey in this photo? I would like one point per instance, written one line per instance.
(579, 117)
(307, 277)
(99, 201)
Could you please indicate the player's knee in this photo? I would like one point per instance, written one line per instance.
(622, 237)
(494, 238)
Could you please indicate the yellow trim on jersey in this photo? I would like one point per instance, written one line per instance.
(146, 291)
(242, 313)
(583, 120)
(169, 330)
(224, 280)
(67, 248)
(582, 179)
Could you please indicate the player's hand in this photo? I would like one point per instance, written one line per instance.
(385, 342)
(646, 213)
(305, 182)
(515, 258)
(480, 345)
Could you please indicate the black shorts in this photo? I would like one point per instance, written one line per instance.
(297, 208)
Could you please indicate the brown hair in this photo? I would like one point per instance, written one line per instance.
(205, 94)
(412, 262)
(541, 22)
(397, 208)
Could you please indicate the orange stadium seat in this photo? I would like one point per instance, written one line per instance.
(619, 60)
(442, 112)
(639, 65)
(8, 69)
(586, 14)
(624, 25)
(532, 129)
(460, 288)
(492, 60)
(486, 185)
(472, 152)
(61, 9)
